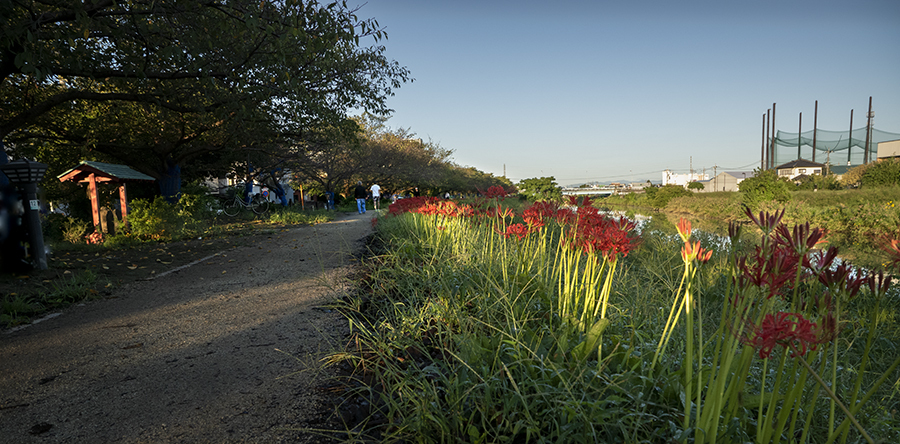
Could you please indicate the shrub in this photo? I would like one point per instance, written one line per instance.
(817, 182)
(156, 220)
(765, 186)
(853, 176)
(883, 173)
(660, 197)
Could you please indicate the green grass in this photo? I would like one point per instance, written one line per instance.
(456, 338)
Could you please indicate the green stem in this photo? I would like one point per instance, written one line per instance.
(838, 402)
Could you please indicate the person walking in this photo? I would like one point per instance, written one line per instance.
(359, 192)
(376, 194)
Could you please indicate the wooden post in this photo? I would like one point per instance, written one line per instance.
(95, 199)
(123, 202)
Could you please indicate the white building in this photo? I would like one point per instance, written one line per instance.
(670, 178)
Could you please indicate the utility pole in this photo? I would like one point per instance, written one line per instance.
(869, 117)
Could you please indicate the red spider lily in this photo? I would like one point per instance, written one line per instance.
(821, 260)
(565, 217)
(801, 239)
(585, 201)
(536, 214)
(878, 284)
(734, 231)
(374, 221)
(892, 247)
(499, 212)
(684, 229)
(518, 230)
(771, 270)
(766, 222)
(789, 330)
(494, 191)
(842, 278)
(690, 252)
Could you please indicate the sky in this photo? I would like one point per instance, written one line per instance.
(604, 91)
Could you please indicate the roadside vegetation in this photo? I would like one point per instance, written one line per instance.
(494, 320)
(857, 213)
(152, 223)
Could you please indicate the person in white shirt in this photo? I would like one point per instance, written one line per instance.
(376, 193)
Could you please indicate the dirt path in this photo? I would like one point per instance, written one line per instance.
(223, 350)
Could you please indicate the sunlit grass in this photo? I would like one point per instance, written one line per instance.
(459, 335)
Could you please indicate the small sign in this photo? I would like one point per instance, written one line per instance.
(35, 204)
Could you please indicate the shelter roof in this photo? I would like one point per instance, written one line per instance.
(103, 172)
(800, 163)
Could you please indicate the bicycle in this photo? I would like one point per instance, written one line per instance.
(257, 204)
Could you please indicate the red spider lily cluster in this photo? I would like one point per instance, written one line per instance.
(788, 260)
(519, 231)
(592, 232)
(789, 330)
(585, 228)
(495, 191)
(430, 206)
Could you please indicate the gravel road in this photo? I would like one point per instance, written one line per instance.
(223, 350)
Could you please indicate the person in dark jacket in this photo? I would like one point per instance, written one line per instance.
(359, 192)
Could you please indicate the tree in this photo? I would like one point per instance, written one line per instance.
(695, 186)
(210, 76)
(542, 188)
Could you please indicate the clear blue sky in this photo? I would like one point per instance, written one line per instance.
(622, 90)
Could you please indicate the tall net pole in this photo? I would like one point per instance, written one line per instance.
(815, 123)
(799, 137)
(768, 138)
(772, 156)
(762, 149)
(850, 138)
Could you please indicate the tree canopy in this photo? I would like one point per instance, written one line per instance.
(159, 84)
(540, 188)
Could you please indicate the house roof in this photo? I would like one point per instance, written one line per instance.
(800, 163)
(104, 172)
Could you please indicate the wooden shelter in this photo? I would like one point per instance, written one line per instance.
(93, 173)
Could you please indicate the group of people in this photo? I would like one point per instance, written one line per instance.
(361, 194)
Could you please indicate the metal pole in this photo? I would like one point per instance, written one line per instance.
(850, 138)
(868, 130)
(772, 157)
(768, 139)
(762, 149)
(799, 137)
(815, 122)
